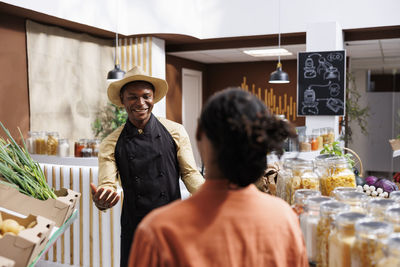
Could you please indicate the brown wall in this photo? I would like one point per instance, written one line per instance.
(14, 97)
(174, 79)
(219, 76)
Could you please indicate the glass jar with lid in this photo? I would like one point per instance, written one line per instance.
(30, 142)
(330, 135)
(304, 143)
(395, 195)
(368, 246)
(335, 172)
(393, 252)
(376, 207)
(52, 143)
(324, 134)
(79, 145)
(314, 142)
(356, 200)
(87, 151)
(342, 238)
(40, 143)
(317, 133)
(302, 177)
(300, 197)
(341, 189)
(308, 222)
(284, 175)
(94, 145)
(328, 210)
(63, 148)
(392, 215)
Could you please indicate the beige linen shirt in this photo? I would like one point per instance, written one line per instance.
(108, 173)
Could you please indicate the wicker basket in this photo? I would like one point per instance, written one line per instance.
(395, 143)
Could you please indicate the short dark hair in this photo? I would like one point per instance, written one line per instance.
(123, 88)
(242, 132)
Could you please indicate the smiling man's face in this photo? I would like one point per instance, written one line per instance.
(137, 98)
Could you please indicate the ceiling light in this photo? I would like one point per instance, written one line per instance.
(268, 52)
(279, 76)
(116, 73)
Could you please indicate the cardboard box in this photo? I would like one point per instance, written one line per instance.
(57, 210)
(4, 262)
(26, 246)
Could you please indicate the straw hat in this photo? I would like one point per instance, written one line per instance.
(136, 74)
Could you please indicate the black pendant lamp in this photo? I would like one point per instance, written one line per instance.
(279, 76)
(116, 73)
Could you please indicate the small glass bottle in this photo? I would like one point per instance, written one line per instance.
(392, 215)
(300, 197)
(40, 143)
(368, 246)
(356, 200)
(52, 143)
(328, 210)
(376, 207)
(342, 238)
(393, 256)
(63, 148)
(309, 222)
(336, 173)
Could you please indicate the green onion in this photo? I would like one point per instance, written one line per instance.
(18, 168)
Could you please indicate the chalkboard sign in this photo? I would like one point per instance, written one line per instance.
(321, 83)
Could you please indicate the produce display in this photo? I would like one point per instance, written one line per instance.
(377, 187)
(11, 226)
(19, 169)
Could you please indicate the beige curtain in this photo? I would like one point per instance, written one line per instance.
(67, 79)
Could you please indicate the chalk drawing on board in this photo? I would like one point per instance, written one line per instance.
(310, 105)
(335, 104)
(309, 69)
(334, 89)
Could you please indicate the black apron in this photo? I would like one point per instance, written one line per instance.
(148, 167)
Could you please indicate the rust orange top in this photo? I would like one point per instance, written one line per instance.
(220, 226)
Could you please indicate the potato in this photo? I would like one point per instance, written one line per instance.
(10, 225)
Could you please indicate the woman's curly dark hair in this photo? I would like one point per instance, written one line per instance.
(242, 132)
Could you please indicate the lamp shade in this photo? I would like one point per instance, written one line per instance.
(116, 73)
(279, 76)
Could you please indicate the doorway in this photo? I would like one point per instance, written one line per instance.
(192, 90)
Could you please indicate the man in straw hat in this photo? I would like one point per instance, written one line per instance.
(147, 155)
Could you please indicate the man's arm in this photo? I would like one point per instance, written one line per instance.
(190, 175)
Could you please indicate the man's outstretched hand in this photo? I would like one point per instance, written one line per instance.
(103, 201)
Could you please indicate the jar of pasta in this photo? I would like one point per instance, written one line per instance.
(393, 252)
(342, 238)
(330, 135)
(368, 246)
(302, 177)
(328, 210)
(336, 173)
(356, 200)
(308, 223)
(40, 143)
(52, 143)
(392, 215)
(300, 197)
(376, 207)
(325, 137)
